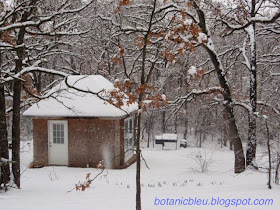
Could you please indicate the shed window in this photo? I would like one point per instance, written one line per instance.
(58, 133)
(125, 127)
(128, 137)
(130, 127)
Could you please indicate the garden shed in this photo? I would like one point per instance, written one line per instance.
(74, 126)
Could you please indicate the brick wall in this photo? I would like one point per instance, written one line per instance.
(89, 141)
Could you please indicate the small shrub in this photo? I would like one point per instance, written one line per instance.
(199, 184)
(151, 185)
(203, 161)
(159, 184)
(174, 184)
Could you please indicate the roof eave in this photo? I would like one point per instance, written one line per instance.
(80, 117)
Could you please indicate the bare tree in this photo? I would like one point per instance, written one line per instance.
(25, 30)
(249, 15)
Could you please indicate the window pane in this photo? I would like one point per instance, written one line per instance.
(125, 127)
(125, 143)
(58, 133)
(130, 126)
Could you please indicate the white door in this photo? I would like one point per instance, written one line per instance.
(58, 142)
(128, 138)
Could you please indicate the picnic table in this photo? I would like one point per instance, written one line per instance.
(166, 137)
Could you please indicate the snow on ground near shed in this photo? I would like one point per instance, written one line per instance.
(172, 174)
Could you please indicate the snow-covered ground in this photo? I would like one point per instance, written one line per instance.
(173, 174)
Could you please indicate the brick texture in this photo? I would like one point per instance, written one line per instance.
(89, 141)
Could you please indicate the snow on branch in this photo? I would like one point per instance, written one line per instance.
(242, 104)
(270, 19)
(263, 20)
(245, 104)
(60, 33)
(196, 92)
(40, 20)
(243, 50)
(275, 74)
(29, 69)
(277, 111)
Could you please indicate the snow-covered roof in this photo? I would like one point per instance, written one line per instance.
(170, 136)
(64, 101)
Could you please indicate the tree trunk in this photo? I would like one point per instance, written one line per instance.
(200, 141)
(269, 156)
(176, 124)
(138, 165)
(17, 97)
(230, 146)
(252, 143)
(148, 132)
(225, 140)
(4, 149)
(148, 142)
(16, 110)
(16, 130)
(163, 130)
(150, 127)
(4, 144)
(225, 133)
(38, 81)
(186, 122)
(277, 170)
(204, 131)
(239, 164)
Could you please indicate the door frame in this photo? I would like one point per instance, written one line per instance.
(50, 135)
